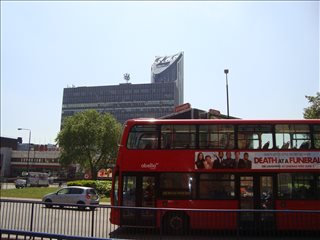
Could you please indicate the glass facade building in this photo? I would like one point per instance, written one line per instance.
(169, 69)
(126, 101)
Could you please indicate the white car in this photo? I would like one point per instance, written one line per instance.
(21, 183)
(85, 196)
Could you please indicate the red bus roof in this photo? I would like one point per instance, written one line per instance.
(219, 121)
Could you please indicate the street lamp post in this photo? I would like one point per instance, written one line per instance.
(28, 163)
(226, 71)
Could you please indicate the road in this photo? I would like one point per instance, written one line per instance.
(33, 216)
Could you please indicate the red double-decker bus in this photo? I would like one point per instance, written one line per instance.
(221, 165)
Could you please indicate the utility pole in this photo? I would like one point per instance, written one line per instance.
(226, 71)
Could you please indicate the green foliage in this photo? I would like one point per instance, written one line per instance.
(103, 187)
(313, 111)
(39, 192)
(89, 139)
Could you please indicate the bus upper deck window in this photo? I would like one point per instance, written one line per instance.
(316, 136)
(216, 136)
(255, 137)
(178, 136)
(143, 137)
(293, 136)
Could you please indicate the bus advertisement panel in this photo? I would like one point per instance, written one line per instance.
(257, 160)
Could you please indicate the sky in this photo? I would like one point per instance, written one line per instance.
(270, 48)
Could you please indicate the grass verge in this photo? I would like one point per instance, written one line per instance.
(33, 192)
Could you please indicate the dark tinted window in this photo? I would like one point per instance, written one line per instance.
(64, 191)
(143, 137)
(92, 191)
(316, 136)
(76, 191)
(216, 136)
(297, 186)
(178, 136)
(177, 185)
(216, 186)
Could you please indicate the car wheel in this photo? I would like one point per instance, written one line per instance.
(81, 207)
(92, 208)
(48, 205)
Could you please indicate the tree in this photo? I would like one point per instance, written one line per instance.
(313, 111)
(90, 139)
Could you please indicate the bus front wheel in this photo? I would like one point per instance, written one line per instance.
(175, 223)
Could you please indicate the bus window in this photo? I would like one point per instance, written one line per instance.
(216, 186)
(301, 137)
(296, 186)
(303, 186)
(143, 137)
(148, 191)
(285, 185)
(178, 136)
(293, 136)
(255, 137)
(129, 191)
(115, 190)
(318, 187)
(177, 185)
(216, 136)
(316, 136)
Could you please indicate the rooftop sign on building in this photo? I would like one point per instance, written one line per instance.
(182, 107)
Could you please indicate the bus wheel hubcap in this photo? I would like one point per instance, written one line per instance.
(176, 222)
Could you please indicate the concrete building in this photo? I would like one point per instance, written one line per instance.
(126, 101)
(16, 157)
(42, 158)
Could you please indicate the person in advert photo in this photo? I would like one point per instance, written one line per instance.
(237, 160)
(199, 161)
(218, 160)
(208, 162)
(228, 162)
(245, 163)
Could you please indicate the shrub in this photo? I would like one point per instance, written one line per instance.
(103, 187)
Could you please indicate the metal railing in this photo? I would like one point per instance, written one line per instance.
(33, 219)
(67, 219)
(16, 234)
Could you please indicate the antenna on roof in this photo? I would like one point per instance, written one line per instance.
(126, 77)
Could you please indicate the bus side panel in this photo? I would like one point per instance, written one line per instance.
(298, 221)
(115, 212)
(219, 220)
(115, 216)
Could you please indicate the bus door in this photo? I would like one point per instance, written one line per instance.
(256, 192)
(138, 191)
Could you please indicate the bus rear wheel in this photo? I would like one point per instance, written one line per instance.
(175, 223)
